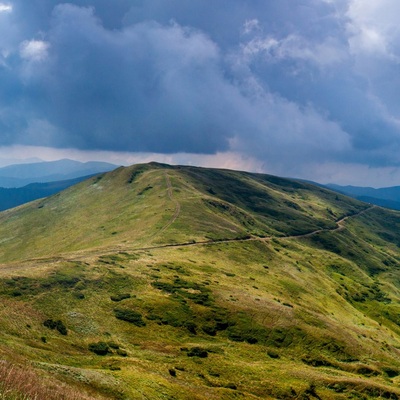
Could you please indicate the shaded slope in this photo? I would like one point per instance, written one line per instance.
(282, 206)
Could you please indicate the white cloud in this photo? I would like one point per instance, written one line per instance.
(373, 27)
(250, 26)
(367, 39)
(294, 47)
(5, 7)
(34, 50)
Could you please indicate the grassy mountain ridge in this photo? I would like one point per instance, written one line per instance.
(114, 209)
(184, 282)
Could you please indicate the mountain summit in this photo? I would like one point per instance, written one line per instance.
(179, 282)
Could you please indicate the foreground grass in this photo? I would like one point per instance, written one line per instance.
(258, 310)
(25, 383)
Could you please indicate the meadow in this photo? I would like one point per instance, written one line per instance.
(165, 282)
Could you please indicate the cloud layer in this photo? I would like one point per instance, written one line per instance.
(289, 84)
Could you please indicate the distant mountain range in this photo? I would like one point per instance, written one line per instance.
(13, 197)
(388, 197)
(19, 175)
(22, 183)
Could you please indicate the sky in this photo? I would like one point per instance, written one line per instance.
(298, 88)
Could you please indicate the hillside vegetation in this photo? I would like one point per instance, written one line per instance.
(165, 282)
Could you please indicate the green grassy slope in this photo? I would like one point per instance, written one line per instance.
(135, 207)
(167, 282)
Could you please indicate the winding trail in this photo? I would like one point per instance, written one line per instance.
(340, 225)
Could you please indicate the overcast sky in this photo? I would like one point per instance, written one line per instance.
(301, 88)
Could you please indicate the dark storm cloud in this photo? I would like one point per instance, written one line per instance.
(288, 82)
(147, 87)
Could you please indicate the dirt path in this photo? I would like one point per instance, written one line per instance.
(177, 205)
(340, 225)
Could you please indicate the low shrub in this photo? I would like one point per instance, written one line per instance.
(191, 327)
(238, 335)
(197, 352)
(181, 287)
(57, 325)
(99, 348)
(209, 330)
(130, 316)
(122, 353)
(120, 297)
(272, 354)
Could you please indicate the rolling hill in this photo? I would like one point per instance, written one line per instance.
(164, 282)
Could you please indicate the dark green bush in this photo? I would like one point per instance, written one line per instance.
(191, 327)
(200, 298)
(154, 317)
(222, 325)
(180, 287)
(66, 281)
(209, 330)
(120, 297)
(122, 353)
(197, 352)
(49, 323)
(61, 327)
(99, 348)
(129, 316)
(58, 325)
(273, 354)
(391, 373)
